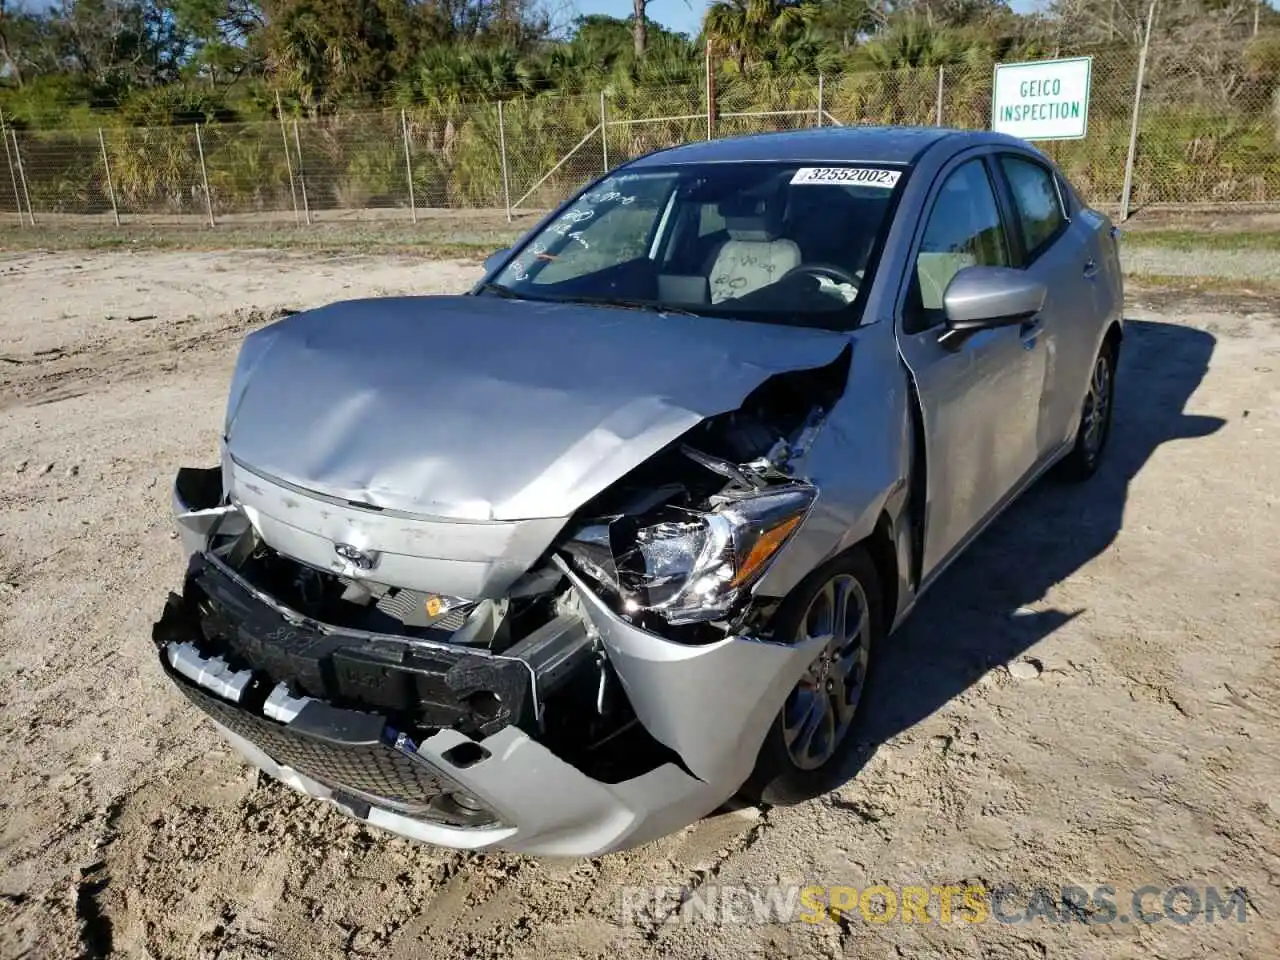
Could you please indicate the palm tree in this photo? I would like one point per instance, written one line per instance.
(840, 21)
(912, 42)
(742, 28)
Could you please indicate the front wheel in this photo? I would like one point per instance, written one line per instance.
(1095, 418)
(802, 754)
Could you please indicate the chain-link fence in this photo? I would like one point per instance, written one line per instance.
(1198, 140)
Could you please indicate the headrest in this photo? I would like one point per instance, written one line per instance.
(751, 218)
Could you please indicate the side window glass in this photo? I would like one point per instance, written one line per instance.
(964, 230)
(1036, 196)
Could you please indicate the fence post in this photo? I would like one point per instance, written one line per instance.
(938, 114)
(502, 149)
(604, 133)
(302, 176)
(13, 176)
(711, 93)
(1133, 123)
(288, 160)
(821, 99)
(106, 166)
(22, 176)
(408, 165)
(204, 175)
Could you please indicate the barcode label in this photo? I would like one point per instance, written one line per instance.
(857, 176)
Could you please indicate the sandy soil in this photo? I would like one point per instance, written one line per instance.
(1147, 751)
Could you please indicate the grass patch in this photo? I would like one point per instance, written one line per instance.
(1201, 239)
(437, 239)
(1148, 282)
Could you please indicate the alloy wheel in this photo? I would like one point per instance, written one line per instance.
(1097, 407)
(820, 710)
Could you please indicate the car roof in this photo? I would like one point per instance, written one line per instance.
(892, 145)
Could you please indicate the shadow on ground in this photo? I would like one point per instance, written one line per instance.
(965, 624)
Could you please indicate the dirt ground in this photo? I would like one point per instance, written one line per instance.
(1145, 752)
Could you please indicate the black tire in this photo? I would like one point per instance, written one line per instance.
(779, 778)
(1086, 456)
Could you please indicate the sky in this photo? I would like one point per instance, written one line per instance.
(682, 16)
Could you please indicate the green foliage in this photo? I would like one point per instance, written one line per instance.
(344, 69)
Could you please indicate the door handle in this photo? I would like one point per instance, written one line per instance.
(1090, 269)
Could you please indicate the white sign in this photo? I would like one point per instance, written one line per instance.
(1042, 99)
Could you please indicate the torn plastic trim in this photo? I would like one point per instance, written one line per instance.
(195, 527)
(212, 673)
(782, 459)
(280, 705)
(731, 471)
(712, 704)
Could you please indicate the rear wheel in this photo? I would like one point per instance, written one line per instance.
(803, 753)
(1095, 418)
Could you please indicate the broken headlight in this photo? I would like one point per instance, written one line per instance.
(697, 567)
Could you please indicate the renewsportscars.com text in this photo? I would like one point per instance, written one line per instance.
(942, 904)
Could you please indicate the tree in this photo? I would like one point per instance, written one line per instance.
(8, 42)
(227, 37)
(640, 28)
(912, 42)
(839, 23)
(743, 28)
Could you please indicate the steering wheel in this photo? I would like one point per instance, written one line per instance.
(826, 271)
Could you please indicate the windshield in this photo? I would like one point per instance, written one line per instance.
(772, 242)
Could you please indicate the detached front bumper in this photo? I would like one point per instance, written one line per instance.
(518, 795)
(709, 706)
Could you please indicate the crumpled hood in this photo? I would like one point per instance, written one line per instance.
(480, 408)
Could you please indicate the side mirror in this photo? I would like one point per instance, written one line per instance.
(983, 298)
(491, 262)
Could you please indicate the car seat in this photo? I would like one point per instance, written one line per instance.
(755, 255)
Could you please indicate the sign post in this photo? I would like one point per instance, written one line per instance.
(1042, 99)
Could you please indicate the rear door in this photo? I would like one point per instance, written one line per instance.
(1055, 243)
(978, 400)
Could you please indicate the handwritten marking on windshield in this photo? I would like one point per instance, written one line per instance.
(622, 199)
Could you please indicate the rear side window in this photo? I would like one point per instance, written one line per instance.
(1035, 192)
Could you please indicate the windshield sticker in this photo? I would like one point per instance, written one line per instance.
(853, 176)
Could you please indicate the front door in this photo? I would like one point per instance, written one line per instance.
(980, 401)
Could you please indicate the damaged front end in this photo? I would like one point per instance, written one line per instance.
(565, 686)
(678, 545)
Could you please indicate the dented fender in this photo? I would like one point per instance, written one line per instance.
(713, 703)
(860, 464)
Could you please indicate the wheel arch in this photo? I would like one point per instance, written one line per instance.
(882, 546)
(1114, 336)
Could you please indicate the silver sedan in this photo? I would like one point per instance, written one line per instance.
(566, 563)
